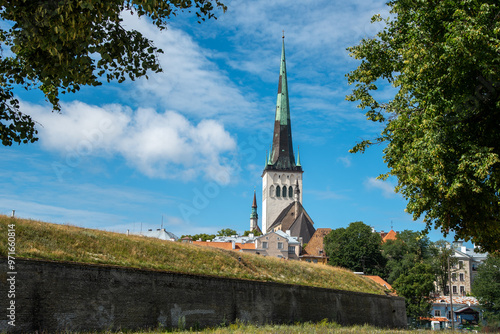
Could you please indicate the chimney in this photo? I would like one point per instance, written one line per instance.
(128, 232)
(13, 213)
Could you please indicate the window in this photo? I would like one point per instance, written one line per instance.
(264, 245)
(460, 264)
(315, 260)
(278, 192)
(284, 191)
(462, 290)
(290, 192)
(291, 249)
(280, 245)
(454, 289)
(462, 278)
(271, 191)
(448, 315)
(454, 276)
(447, 290)
(437, 313)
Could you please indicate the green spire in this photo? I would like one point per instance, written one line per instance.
(281, 155)
(254, 207)
(282, 105)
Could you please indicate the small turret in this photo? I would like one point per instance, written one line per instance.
(254, 217)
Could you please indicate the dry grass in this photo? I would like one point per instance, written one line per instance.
(39, 240)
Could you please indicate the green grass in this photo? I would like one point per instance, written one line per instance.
(39, 240)
(322, 327)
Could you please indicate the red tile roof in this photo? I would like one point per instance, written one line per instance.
(380, 281)
(391, 235)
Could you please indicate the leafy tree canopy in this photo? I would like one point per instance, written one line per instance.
(201, 236)
(486, 287)
(356, 247)
(59, 46)
(402, 254)
(416, 287)
(442, 127)
(227, 232)
(254, 232)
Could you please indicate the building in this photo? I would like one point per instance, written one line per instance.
(466, 311)
(282, 176)
(464, 271)
(160, 233)
(276, 244)
(254, 217)
(314, 250)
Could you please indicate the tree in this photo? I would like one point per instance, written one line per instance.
(355, 247)
(442, 127)
(256, 233)
(405, 252)
(58, 46)
(486, 287)
(226, 232)
(441, 261)
(201, 236)
(416, 288)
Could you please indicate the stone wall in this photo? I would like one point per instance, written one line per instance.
(54, 296)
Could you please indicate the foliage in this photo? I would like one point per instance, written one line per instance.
(441, 259)
(355, 247)
(442, 125)
(486, 288)
(402, 254)
(256, 233)
(69, 243)
(323, 327)
(200, 236)
(227, 232)
(416, 287)
(59, 46)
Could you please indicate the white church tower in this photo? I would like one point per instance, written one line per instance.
(281, 174)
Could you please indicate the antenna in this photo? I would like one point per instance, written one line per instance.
(162, 222)
(392, 225)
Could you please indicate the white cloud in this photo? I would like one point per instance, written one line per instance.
(386, 188)
(346, 161)
(163, 145)
(191, 83)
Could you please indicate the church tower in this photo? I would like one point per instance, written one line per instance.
(281, 173)
(254, 217)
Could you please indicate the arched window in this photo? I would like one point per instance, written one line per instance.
(271, 191)
(283, 193)
(290, 192)
(278, 193)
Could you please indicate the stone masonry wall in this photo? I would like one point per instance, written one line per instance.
(54, 296)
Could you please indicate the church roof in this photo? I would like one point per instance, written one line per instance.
(281, 156)
(299, 223)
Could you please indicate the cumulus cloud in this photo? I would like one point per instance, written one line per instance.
(386, 188)
(160, 145)
(191, 82)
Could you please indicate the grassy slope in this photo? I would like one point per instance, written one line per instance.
(39, 240)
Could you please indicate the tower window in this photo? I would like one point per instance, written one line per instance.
(290, 192)
(271, 191)
(278, 192)
(284, 191)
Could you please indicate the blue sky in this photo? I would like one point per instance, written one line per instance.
(189, 144)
